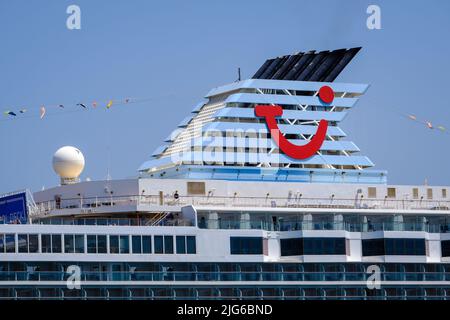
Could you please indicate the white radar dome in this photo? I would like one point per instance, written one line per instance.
(68, 163)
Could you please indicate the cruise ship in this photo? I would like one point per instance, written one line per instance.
(257, 194)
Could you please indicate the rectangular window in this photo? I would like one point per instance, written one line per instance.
(181, 244)
(389, 246)
(23, 243)
(415, 193)
(168, 244)
(291, 247)
(429, 193)
(191, 247)
(69, 244)
(323, 246)
(113, 244)
(372, 192)
(373, 247)
(146, 244)
(124, 244)
(405, 246)
(33, 243)
(2, 243)
(56, 243)
(196, 188)
(79, 243)
(91, 243)
(46, 243)
(136, 244)
(444, 193)
(445, 248)
(10, 243)
(101, 244)
(159, 244)
(391, 192)
(246, 245)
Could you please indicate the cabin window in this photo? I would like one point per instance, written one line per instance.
(391, 192)
(46, 243)
(69, 246)
(91, 243)
(415, 193)
(96, 244)
(181, 244)
(372, 192)
(79, 243)
(113, 244)
(185, 244)
(168, 244)
(246, 245)
(136, 244)
(22, 240)
(444, 193)
(146, 244)
(101, 244)
(429, 193)
(404, 246)
(56, 243)
(159, 244)
(2, 243)
(191, 247)
(10, 243)
(124, 244)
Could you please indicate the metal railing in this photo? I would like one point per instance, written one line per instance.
(261, 276)
(92, 203)
(309, 225)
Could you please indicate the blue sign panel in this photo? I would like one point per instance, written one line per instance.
(13, 209)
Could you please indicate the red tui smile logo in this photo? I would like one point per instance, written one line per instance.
(326, 95)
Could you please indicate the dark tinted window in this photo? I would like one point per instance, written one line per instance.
(113, 244)
(181, 244)
(291, 247)
(323, 246)
(411, 247)
(124, 244)
(46, 243)
(146, 244)
(445, 247)
(33, 243)
(69, 245)
(191, 246)
(168, 244)
(373, 247)
(101, 244)
(56, 243)
(91, 244)
(393, 247)
(159, 244)
(136, 244)
(246, 245)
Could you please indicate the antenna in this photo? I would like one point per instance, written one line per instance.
(108, 175)
(239, 74)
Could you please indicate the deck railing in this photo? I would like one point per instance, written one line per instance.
(90, 204)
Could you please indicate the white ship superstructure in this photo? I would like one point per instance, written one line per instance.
(221, 212)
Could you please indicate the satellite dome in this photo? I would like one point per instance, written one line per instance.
(68, 163)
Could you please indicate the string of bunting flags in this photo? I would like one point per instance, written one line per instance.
(427, 123)
(17, 113)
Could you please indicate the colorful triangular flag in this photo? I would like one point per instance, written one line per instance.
(42, 112)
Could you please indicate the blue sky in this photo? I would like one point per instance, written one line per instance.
(175, 51)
